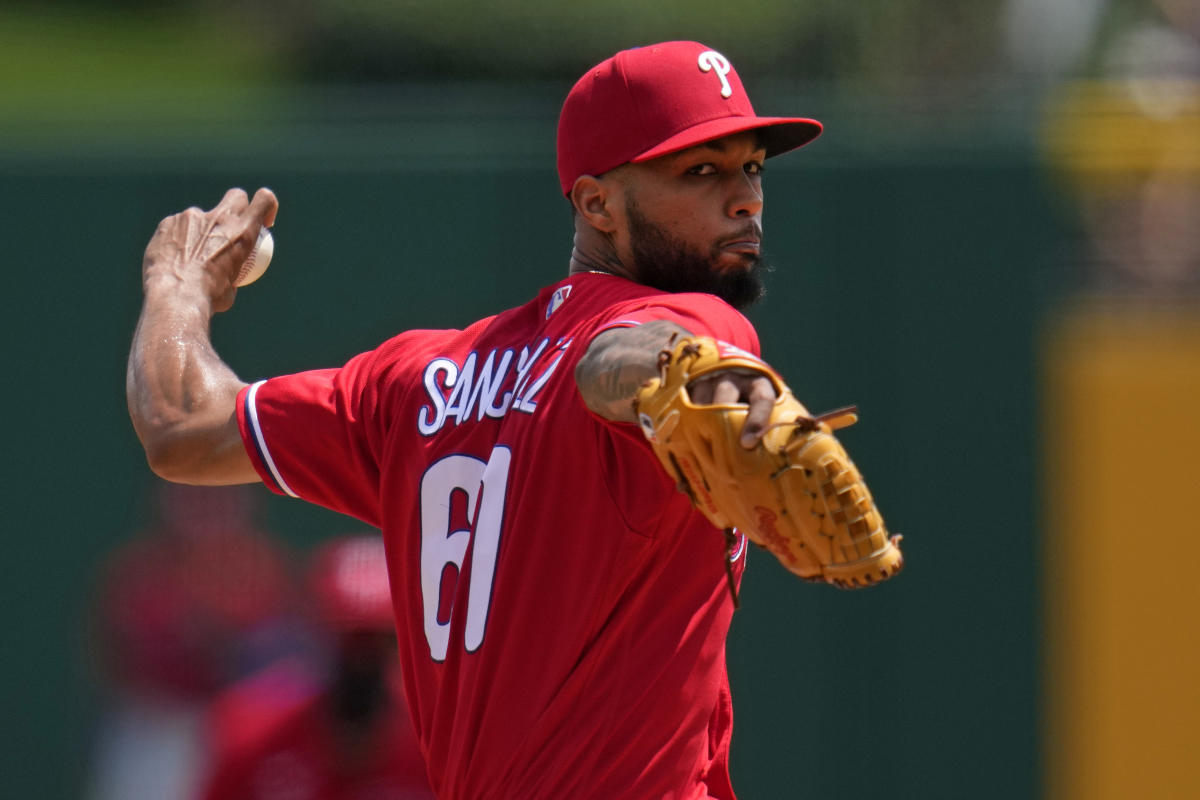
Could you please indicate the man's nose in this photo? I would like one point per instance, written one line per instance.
(746, 199)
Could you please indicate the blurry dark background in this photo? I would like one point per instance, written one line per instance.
(991, 173)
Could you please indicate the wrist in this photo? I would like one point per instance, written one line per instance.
(168, 287)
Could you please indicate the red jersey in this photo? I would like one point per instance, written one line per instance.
(561, 608)
(273, 737)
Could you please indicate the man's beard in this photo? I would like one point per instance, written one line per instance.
(666, 263)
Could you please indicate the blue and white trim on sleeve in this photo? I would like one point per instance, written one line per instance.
(260, 444)
(620, 323)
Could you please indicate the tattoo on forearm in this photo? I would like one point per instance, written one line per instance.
(620, 384)
(618, 362)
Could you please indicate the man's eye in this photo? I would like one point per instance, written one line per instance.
(702, 169)
(755, 168)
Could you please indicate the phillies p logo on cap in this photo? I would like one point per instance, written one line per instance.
(712, 60)
(650, 101)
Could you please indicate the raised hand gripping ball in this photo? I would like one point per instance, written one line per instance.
(258, 260)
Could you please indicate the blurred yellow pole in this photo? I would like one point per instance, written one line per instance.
(1122, 578)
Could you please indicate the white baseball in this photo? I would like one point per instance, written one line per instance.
(258, 261)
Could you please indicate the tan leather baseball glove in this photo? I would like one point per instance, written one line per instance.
(796, 493)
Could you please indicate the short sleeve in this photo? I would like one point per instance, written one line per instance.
(317, 435)
(702, 314)
(630, 466)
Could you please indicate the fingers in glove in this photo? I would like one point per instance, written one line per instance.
(726, 391)
(701, 390)
(722, 388)
(762, 400)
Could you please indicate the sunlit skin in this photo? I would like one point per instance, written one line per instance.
(708, 200)
(705, 202)
(181, 395)
(708, 197)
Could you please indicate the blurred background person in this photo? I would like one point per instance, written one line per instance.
(1121, 344)
(333, 731)
(971, 181)
(1124, 141)
(184, 608)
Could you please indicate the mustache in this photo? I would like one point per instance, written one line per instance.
(750, 231)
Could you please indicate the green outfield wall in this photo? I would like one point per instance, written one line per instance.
(905, 282)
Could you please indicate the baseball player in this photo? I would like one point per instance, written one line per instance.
(292, 731)
(561, 607)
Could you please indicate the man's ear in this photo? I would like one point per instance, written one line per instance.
(593, 200)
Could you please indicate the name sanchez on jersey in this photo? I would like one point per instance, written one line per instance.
(493, 388)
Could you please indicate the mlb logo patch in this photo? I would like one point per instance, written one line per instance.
(560, 297)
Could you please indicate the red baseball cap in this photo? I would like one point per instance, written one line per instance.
(348, 578)
(650, 101)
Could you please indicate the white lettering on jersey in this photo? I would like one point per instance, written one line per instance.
(459, 404)
(526, 403)
(711, 60)
(460, 392)
(427, 423)
(526, 363)
(491, 379)
(485, 489)
(441, 546)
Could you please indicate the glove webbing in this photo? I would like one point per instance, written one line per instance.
(837, 418)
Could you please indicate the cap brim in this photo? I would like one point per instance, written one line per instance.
(779, 134)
